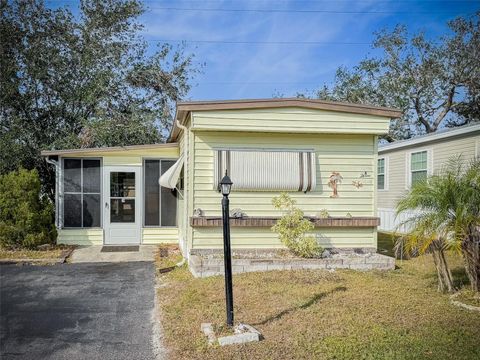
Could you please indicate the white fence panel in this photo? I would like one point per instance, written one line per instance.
(390, 222)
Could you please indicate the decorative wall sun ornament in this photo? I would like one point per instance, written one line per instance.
(334, 180)
(357, 183)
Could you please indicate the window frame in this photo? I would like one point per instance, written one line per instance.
(144, 159)
(81, 193)
(408, 175)
(385, 173)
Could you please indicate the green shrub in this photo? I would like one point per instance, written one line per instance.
(292, 228)
(26, 217)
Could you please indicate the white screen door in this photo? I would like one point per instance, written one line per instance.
(122, 205)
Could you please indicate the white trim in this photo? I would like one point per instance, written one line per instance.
(429, 137)
(408, 159)
(385, 173)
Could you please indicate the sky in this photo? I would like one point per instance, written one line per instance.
(265, 48)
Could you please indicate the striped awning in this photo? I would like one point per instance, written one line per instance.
(267, 170)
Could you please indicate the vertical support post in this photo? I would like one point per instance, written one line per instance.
(227, 255)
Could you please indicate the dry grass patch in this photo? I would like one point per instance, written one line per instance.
(322, 315)
(24, 254)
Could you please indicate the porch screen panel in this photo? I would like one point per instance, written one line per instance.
(169, 200)
(91, 210)
(160, 203)
(72, 175)
(266, 170)
(72, 210)
(81, 193)
(152, 193)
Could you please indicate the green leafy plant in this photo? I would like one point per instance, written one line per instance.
(26, 217)
(292, 228)
(323, 214)
(445, 214)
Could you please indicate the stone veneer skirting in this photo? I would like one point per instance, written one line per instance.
(204, 263)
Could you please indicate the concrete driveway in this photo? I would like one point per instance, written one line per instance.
(77, 311)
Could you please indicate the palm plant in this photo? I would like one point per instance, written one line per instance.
(445, 212)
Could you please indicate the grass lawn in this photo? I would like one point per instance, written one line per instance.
(322, 315)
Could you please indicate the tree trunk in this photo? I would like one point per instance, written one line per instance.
(445, 281)
(471, 256)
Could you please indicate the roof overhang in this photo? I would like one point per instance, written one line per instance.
(184, 108)
(107, 149)
(429, 138)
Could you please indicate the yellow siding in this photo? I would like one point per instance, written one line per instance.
(161, 235)
(351, 155)
(440, 152)
(265, 238)
(80, 236)
(293, 119)
(129, 157)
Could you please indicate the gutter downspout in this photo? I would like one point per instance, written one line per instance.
(57, 188)
(184, 241)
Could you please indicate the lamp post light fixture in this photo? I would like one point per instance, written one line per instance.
(224, 187)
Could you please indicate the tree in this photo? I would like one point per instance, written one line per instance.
(26, 217)
(79, 81)
(447, 215)
(434, 83)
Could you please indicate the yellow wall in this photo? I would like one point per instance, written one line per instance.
(129, 157)
(160, 235)
(252, 237)
(80, 236)
(150, 236)
(351, 155)
(292, 119)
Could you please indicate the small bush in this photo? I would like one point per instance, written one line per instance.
(26, 217)
(292, 228)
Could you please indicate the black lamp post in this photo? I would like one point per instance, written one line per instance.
(225, 187)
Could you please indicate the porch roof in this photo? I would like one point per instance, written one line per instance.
(107, 149)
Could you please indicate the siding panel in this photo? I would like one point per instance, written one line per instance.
(265, 238)
(160, 235)
(290, 120)
(351, 155)
(80, 236)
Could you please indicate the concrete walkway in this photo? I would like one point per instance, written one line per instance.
(93, 254)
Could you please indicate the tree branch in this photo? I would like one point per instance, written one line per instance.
(448, 105)
(424, 121)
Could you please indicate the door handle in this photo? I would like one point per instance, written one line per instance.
(106, 205)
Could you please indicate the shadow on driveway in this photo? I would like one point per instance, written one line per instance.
(77, 311)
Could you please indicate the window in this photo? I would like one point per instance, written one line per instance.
(418, 166)
(160, 207)
(122, 197)
(81, 193)
(267, 170)
(381, 174)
